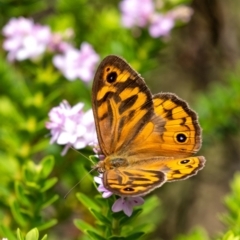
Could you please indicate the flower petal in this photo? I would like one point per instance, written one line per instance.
(118, 205)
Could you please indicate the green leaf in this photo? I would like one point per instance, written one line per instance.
(19, 235)
(32, 234)
(230, 236)
(102, 219)
(145, 227)
(116, 238)
(136, 235)
(44, 237)
(50, 201)
(47, 225)
(151, 203)
(94, 235)
(126, 219)
(47, 165)
(15, 209)
(6, 232)
(83, 226)
(29, 172)
(21, 194)
(48, 184)
(87, 202)
(196, 234)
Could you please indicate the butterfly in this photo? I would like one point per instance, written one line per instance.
(146, 139)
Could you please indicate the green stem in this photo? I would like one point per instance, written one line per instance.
(115, 227)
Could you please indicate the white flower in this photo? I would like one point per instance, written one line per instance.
(71, 126)
(24, 39)
(161, 25)
(76, 63)
(136, 12)
(127, 204)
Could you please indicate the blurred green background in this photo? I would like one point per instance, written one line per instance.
(199, 62)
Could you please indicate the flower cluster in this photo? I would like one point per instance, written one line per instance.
(71, 126)
(144, 14)
(25, 39)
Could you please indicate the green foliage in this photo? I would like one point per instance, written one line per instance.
(196, 234)
(29, 198)
(232, 202)
(110, 225)
(230, 236)
(219, 108)
(31, 235)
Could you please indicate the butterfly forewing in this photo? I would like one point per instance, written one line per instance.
(122, 104)
(173, 130)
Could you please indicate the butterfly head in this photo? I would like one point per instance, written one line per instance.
(100, 166)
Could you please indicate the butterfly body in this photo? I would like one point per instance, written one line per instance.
(146, 139)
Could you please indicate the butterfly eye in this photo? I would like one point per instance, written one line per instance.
(181, 137)
(111, 77)
(185, 161)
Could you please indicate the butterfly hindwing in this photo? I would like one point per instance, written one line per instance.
(179, 169)
(132, 182)
(146, 175)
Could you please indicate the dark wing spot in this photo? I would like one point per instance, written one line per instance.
(128, 189)
(185, 161)
(111, 77)
(181, 137)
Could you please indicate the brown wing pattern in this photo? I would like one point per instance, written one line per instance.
(132, 182)
(122, 104)
(172, 131)
(180, 169)
(146, 175)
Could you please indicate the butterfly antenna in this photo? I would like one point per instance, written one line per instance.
(83, 156)
(94, 168)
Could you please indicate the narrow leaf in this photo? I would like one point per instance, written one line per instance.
(47, 166)
(103, 220)
(50, 201)
(47, 225)
(15, 209)
(87, 202)
(6, 232)
(19, 190)
(48, 184)
(94, 235)
(83, 226)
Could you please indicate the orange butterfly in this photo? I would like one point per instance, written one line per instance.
(146, 139)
